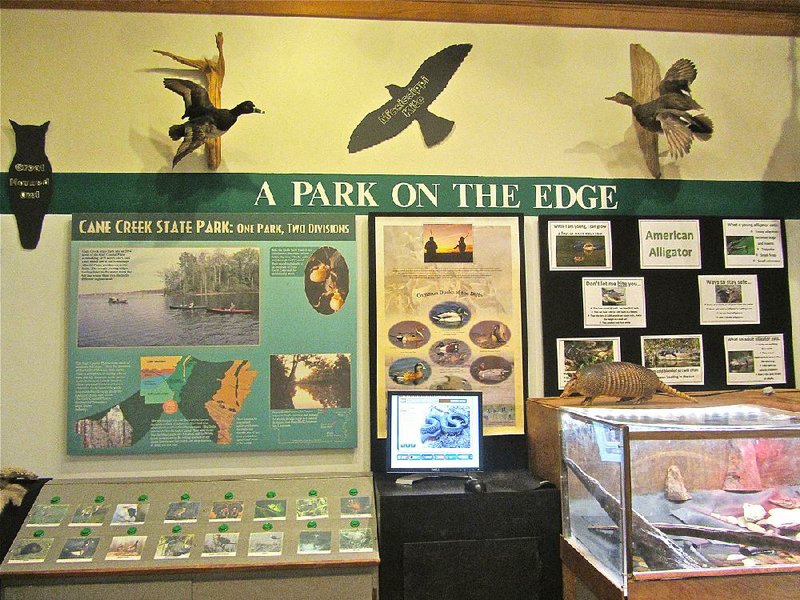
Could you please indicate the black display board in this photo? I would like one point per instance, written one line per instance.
(671, 297)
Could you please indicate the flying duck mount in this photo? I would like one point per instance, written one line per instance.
(214, 71)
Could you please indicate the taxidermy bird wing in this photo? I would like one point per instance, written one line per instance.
(411, 103)
(195, 96)
(676, 127)
(645, 81)
(678, 78)
(195, 133)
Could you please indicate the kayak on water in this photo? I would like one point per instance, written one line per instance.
(239, 311)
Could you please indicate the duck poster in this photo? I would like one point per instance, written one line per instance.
(211, 333)
(448, 311)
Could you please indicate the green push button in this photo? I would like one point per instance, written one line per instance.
(267, 527)
(228, 495)
(312, 525)
(132, 530)
(85, 531)
(55, 499)
(355, 523)
(143, 498)
(223, 528)
(185, 496)
(177, 529)
(271, 494)
(353, 492)
(38, 533)
(99, 499)
(312, 493)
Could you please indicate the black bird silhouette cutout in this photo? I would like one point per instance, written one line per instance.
(412, 102)
(674, 111)
(205, 121)
(30, 182)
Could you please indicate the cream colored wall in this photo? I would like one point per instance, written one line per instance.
(528, 101)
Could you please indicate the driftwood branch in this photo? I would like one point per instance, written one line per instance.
(730, 536)
(655, 548)
(645, 79)
(214, 72)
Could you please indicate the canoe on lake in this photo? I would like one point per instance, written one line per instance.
(230, 311)
(186, 307)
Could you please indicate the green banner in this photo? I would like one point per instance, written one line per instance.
(361, 194)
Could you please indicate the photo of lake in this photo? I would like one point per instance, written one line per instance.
(169, 296)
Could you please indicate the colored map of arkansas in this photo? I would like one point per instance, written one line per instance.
(208, 394)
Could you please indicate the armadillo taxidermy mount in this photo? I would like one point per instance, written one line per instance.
(627, 381)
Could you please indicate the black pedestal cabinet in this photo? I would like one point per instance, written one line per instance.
(440, 541)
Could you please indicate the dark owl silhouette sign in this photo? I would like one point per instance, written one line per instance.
(411, 103)
(30, 182)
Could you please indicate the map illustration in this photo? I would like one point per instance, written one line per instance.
(204, 396)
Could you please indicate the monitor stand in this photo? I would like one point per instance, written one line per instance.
(412, 478)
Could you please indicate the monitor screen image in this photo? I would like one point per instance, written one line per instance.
(434, 431)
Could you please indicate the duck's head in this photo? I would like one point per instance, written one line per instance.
(622, 98)
(245, 108)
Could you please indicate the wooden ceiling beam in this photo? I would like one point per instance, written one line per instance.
(747, 17)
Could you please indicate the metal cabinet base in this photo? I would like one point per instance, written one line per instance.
(440, 541)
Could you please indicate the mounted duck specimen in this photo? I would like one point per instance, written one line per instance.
(214, 72)
(665, 107)
(205, 121)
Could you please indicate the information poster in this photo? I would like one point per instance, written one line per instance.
(676, 359)
(210, 333)
(579, 245)
(614, 302)
(669, 244)
(574, 353)
(448, 312)
(755, 359)
(729, 300)
(751, 244)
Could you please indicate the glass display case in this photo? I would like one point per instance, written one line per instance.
(665, 494)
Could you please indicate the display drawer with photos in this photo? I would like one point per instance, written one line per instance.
(146, 526)
(650, 495)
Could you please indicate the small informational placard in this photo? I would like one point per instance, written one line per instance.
(729, 300)
(752, 244)
(614, 302)
(755, 359)
(266, 544)
(579, 245)
(30, 550)
(80, 549)
(314, 542)
(355, 540)
(574, 353)
(126, 547)
(669, 244)
(676, 359)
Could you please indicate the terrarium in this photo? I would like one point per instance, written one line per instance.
(653, 494)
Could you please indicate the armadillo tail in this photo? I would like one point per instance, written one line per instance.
(671, 391)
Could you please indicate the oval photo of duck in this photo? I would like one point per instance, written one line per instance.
(409, 334)
(409, 371)
(490, 369)
(449, 315)
(449, 352)
(490, 334)
(327, 280)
